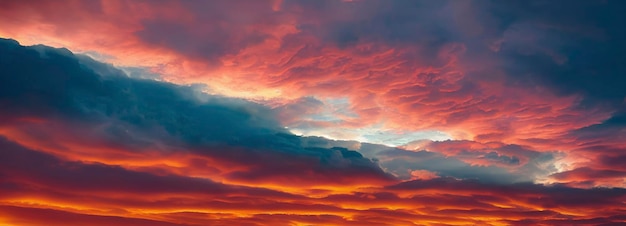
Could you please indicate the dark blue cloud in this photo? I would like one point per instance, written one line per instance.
(402, 162)
(54, 84)
(576, 48)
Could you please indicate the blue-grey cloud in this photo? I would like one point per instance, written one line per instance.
(53, 84)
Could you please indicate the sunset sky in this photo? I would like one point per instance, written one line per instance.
(312, 112)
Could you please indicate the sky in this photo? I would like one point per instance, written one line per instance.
(312, 112)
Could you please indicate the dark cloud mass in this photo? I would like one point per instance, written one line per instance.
(139, 113)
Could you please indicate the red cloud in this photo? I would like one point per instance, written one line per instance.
(134, 167)
(265, 53)
(55, 190)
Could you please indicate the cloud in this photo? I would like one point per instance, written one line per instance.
(462, 68)
(468, 73)
(21, 165)
(36, 183)
(588, 177)
(37, 216)
(523, 91)
(555, 44)
(526, 192)
(133, 114)
(488, 162)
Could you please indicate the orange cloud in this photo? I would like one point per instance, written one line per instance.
(101, 194)
(84, 144)
(266, 55)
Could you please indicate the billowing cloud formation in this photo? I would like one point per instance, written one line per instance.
(511, 103)
(81, 140)
(480, 70)
(68, 103)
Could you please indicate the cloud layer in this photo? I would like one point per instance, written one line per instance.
(284, 112)
(105, 148)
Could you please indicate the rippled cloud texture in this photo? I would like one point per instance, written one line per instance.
(312, 112)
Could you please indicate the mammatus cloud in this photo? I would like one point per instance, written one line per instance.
(81, 140)
(476, 70)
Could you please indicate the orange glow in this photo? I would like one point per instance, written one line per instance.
(375, 76)
(516, 143)
(348, 204)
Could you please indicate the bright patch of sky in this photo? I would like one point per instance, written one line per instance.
(398, 138)
(373, 134)
(333, 115)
